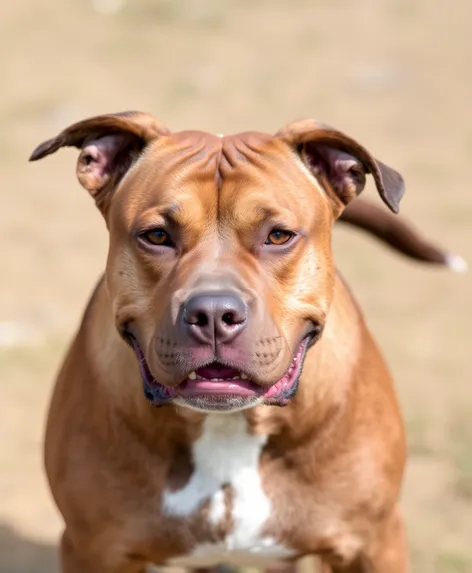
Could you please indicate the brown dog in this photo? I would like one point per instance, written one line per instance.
(219, 282)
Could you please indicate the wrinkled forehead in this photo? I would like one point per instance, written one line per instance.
(241, 172)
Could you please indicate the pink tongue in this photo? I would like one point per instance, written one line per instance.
(216, 370)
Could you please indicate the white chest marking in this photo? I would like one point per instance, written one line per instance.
(227, 454)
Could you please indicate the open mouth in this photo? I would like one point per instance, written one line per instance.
(220, 387)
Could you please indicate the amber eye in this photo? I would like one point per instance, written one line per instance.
(157, 237)
(278, 237)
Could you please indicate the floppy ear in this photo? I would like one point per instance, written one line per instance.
(109, 145)
(341, 164)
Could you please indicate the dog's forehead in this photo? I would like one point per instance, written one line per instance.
(213, 175)
(219, 152)
(220, 142)
(198, 157)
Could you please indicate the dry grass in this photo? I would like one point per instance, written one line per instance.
(395, 74)
(461, 451)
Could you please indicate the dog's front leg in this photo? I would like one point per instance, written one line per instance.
(73, 562)
(387, 553)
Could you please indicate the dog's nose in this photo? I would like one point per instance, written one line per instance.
(214, 318)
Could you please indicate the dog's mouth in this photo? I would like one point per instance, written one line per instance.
(218, 387)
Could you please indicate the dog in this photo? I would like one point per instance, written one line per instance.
(223, 401)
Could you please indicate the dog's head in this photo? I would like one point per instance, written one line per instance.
(220, 269)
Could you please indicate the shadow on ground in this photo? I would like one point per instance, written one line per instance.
(19, 554)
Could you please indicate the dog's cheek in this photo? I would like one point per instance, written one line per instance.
(306, 290)
(129, 289)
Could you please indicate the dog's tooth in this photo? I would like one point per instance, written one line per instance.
(235, 378)
(243, 376)
(192, 376)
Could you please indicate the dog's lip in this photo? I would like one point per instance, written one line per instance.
(241, 388)
(235, 387)
(146, 374)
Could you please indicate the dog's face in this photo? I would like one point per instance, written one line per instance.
(220, 269)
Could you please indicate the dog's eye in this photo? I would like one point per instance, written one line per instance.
(157, 237)
(279, 237)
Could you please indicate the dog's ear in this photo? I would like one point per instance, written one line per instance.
(109, 145)
(341, 164)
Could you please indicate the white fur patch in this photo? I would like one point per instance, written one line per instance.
(227, 454)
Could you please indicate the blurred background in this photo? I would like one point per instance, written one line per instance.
(395, 74)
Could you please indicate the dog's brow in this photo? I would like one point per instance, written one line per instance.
(171, 211)
(265, 214)
(258, 216)
(155, 216)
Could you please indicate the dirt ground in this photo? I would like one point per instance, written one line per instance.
(396, 74)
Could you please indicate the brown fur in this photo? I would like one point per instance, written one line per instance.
(334, 460)
(395, 232)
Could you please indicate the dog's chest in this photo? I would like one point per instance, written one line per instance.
(227, 456)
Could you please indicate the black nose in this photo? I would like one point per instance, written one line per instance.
(213, 318)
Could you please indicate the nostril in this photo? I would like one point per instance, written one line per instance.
(201, 319)
(231, 319)
(197, 318)
(228, 318)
